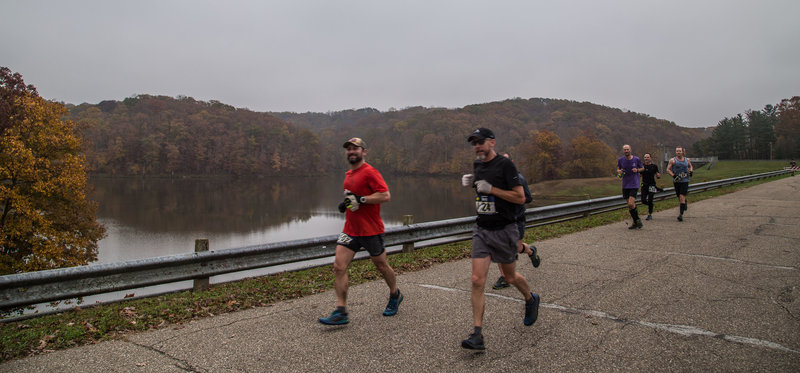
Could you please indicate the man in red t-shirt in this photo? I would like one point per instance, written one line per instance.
(364, 191)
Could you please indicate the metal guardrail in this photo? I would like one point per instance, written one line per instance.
(24, 289)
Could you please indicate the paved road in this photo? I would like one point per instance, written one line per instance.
(718, 292)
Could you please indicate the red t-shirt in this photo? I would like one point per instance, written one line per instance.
(366, 221)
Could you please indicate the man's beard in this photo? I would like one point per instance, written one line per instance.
(354, 159)
(480, 156)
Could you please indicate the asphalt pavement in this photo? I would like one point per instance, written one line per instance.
(716, 292)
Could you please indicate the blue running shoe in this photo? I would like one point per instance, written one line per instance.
(336, 318)
(393, 305)
(500, 283)
(531, 310)
(474, 342)
(535, 259)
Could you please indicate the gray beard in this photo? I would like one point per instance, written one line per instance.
(480, 157)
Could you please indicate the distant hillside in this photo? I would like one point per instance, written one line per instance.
(157, 135)
(433, 140)
(163, 135)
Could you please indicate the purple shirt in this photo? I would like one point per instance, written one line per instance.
(630, 180)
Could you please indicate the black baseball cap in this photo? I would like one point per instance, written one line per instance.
(480, 134)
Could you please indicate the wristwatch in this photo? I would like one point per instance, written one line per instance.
(362, 199)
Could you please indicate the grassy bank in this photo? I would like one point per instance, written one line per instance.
(577, 189)
(729, 169)
(94, 324)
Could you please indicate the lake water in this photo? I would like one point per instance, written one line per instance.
(148, 217)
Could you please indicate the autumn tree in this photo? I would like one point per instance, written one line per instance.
(589, 157)
(46, 220)
(542, 155)
(12, 88)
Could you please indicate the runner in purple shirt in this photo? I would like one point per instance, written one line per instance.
(628, 168)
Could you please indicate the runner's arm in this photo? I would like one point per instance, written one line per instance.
(669, 167)
(378, 198)
(515, 195)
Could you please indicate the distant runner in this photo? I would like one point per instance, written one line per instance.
(628, 168)
(680, 168)
(649, 187)
(522, 247)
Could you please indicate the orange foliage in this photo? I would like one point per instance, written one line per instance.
(45, 219)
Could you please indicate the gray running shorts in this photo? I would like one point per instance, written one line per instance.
(500, 245)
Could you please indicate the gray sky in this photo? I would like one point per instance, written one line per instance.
(691, 62)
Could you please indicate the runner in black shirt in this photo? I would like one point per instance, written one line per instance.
(522, 247)
(649, 187)
(499, 193)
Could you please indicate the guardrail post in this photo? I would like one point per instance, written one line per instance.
(200, 284)
(586, 213)
(408, 220)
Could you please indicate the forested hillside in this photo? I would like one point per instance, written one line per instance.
(773, 132)
(549, 138)
(568, 138)
(149, 135)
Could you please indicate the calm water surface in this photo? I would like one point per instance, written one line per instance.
(148, 217)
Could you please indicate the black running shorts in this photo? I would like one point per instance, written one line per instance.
(373, 244)
(521, 226)
(681, 189)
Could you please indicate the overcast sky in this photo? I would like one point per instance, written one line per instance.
(692, 62)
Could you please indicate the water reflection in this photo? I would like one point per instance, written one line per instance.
(154, 217)
(237, 205)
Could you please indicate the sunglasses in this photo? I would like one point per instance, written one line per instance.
(478, 142)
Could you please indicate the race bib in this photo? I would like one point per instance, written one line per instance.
(344, 239)
(485, 205)
(652, 189)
